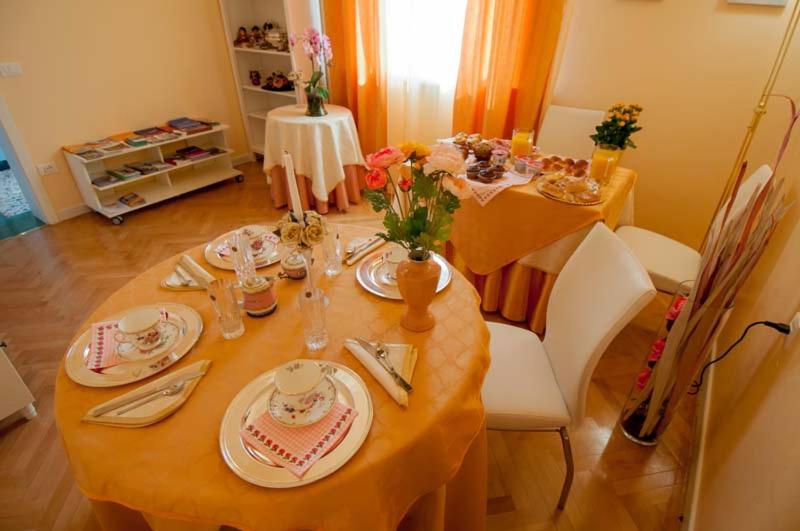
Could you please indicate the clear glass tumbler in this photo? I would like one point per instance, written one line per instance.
(333, 253)
(312, 311)
(223, 298)
(242, 256)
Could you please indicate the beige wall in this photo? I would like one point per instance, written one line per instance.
(93, 68)
(697, 67)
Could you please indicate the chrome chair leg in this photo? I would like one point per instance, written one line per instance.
(570, 467)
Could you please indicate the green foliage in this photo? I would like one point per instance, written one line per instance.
(618, 126)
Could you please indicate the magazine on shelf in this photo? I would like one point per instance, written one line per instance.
(124, 173)
(105, 180)
(188, 126)
(148, 167)
(132, 199)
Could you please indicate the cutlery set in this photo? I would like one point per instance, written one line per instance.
(379, 354)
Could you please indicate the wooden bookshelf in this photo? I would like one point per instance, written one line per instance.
(157, 186)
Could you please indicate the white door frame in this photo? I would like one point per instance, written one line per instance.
(23, 168)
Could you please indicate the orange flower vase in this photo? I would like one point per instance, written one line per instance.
(417, 281)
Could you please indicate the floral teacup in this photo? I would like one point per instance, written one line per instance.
(303, 395)
(140, 328)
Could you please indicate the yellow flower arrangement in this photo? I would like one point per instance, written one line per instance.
(419, 150)
(616, 130)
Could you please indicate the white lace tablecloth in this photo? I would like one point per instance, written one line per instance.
(485, 192)
(320, 146)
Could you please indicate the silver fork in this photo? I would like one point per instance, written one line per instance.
(399, 379)
(172, 390)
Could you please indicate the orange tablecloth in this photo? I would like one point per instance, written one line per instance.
(431, 456)
(487, 241)
(346, 192)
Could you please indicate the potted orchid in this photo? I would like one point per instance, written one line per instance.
(317, 47)
(416, 188)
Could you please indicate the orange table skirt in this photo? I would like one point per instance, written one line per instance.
(518, 292)
(346, 192)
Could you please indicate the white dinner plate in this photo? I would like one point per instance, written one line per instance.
(186, 321)
(371, 274)
(274, 253)
(253, 401)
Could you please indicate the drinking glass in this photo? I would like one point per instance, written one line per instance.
(242, 256)
(312, 311)
(333, 253)
(223, 298)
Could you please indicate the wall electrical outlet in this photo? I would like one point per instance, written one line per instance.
(47, 168)
(10, 69)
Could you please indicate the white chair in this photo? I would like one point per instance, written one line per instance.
(670, 262)
(565, 131)
(541, 386)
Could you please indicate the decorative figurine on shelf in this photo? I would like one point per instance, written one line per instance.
(317, 47)
(242, 38)
(256, 37)
(278, 81)
(255, 77)
(275, 37)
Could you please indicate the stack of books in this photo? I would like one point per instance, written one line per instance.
(148, 167)
(189, 126)
(124, 173)
(132, 199)
(105, 180)
(155, 135)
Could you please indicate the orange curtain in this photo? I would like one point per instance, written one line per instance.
(507, 60)
(357, 77)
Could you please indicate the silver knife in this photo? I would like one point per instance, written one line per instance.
(102, 410)
(380, 356)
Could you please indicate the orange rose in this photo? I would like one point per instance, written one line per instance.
(376, 179)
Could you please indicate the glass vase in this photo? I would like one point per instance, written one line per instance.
(605, 160)
(315, 105)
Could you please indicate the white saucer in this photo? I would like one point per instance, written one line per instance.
(321, 402)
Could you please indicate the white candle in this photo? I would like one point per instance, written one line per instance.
(294, 194)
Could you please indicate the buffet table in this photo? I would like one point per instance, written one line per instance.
(326, 154)
(487, 241)
(424, 466)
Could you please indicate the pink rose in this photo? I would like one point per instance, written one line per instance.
(385, 157)
(376, 179)
(447, 158)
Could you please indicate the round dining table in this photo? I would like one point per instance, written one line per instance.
(420, 467)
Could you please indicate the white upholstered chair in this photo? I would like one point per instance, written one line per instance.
(670, 262)
(565, 131)
(535, 385)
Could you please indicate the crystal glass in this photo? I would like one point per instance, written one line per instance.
(242, 256)
(312, 310)
(333, 253)
(223, 298)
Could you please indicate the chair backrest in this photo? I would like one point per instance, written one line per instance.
(565, 131)
(601, 288)
(747, 189)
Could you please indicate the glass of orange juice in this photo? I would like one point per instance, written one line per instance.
(521, 143)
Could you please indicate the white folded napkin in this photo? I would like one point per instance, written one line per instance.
(361, 254)
(200, 275)
(402, 357)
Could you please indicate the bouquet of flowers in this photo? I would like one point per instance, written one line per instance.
(317, 47)
(616, 130)
(415, 186)
(302, 236)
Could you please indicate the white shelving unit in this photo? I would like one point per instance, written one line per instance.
(157, 186)
(255, 102)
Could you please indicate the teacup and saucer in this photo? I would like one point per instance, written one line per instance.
(303, 394)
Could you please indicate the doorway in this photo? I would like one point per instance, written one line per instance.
(16, 215)
(23, 202)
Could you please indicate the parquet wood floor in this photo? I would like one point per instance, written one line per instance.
(52, 278)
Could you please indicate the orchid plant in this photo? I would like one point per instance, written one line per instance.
(416, 187)
(317, 48)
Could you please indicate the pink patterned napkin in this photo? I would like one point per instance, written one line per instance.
(296, 449)
(485, 192)
(103, 347)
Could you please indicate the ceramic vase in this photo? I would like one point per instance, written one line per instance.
(604, 162)
(417, 280)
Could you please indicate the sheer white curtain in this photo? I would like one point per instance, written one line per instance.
(422, 50)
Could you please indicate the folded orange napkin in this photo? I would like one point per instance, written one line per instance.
(297, 449)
